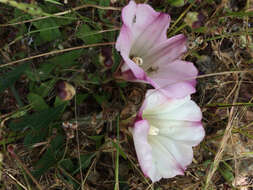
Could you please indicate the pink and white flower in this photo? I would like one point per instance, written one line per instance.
(149, 56)
(164, 133)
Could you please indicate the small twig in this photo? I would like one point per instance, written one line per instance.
(67, 174)
(18, 182)
(88, 172)
(180, 17)
(78, 146)
(224, 140)
(223, 73)
(229, 105)
(56, 52)
(204, 76)
(116, 187)
(63, 13)
(15, 156)
(139, 171)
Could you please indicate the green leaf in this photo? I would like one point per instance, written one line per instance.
(81, 97)
(101, 12)
(11, 77)
(33, 137)
(66, 19)
(65, 60)
(38, 120)
(57, 63)
(85, 160)
(177, 3)
(32, 9)
(226, 171)
(41, 73)
(49, 30)
(37, 102)
(101, 99)
(98, 139)
(88, 35)
(67, 164)
(121, 152)
(51, 156)
(45, 88)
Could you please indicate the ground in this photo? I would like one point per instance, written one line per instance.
(64, 116)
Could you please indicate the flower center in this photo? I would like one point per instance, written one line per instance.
(153, 130)
(137, 60)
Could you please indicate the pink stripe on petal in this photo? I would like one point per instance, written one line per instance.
(154, 33)
(176, 78)
(166, 52)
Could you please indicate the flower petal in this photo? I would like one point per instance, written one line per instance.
(164, 160)
(183, 109)
(140, 21)
(177, 79)
(165, 52)
(154, 33)
(124, 40)
(157, 101)
(142, 147)
(153, 99)
(123, 45)
(136, 18)
(128, 13)
(185, 132)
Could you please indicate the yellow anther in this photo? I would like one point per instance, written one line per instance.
(138, 61)
(153, 130)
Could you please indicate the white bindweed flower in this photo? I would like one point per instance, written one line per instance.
(149, 56)
(164, 133)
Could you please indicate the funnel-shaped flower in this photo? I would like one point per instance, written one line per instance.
(164, 133)
(149, 56)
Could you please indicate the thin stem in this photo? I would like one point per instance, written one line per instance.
(116, 187)
(56, 52)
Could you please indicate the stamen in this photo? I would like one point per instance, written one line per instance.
(153, 130)
(152, 69)
(138, 61)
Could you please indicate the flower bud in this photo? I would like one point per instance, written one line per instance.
(65, 90)
(10, 149)
(105, 57)
(194, 19)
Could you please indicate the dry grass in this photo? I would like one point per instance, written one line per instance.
(223, 161)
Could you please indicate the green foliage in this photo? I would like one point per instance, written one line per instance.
(50, 158)
(11, 77)
(85, 160)
(67, 164)
(37, 120)
(177, 3)
(29, 8)
(35, 136)
(51, 67)
(226, 171)
(88, 35)
(98, 139)
(37, 102)
(48, 30)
